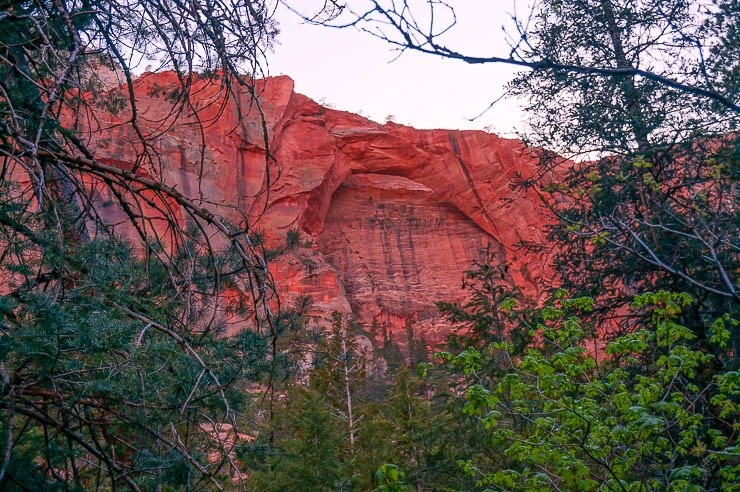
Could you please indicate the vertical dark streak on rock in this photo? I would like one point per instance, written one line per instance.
(456, 152)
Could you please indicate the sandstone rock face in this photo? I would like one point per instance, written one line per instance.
(389, 216)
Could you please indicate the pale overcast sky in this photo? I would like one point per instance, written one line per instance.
(352, 71)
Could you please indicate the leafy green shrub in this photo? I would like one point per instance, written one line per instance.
(648, 414)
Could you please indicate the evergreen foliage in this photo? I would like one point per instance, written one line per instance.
(313, 440)
(109, 376)
(114, 364)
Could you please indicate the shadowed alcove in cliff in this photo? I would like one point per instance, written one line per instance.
(398, 250)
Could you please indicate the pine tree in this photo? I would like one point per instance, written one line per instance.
(114, 370)
(314, 435)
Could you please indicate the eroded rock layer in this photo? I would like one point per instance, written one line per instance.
(397, 250)
(389, 216)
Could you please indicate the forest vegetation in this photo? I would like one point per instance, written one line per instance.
(114, 370)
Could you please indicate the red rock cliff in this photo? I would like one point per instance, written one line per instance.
(390, 216)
